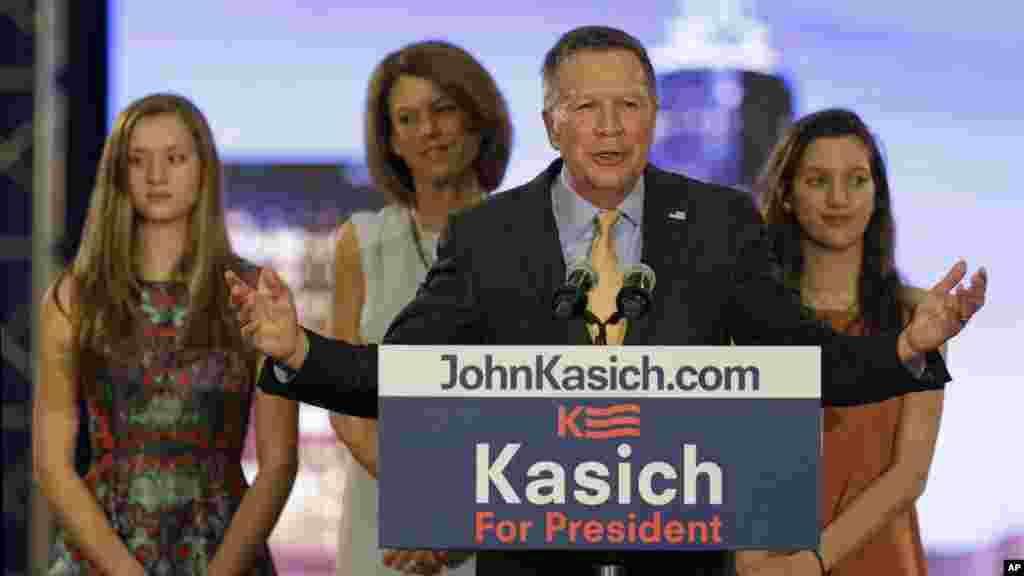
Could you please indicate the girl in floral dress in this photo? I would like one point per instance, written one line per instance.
(139, 328)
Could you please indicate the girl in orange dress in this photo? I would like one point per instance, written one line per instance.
(825, 197)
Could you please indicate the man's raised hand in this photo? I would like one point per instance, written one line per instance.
(944, 311)
(267, 317)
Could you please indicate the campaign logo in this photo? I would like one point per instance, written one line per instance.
(597, 503)
(616, 421)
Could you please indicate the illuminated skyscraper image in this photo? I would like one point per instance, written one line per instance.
(722, 106)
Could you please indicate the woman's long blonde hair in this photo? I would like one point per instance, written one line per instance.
(107, 286)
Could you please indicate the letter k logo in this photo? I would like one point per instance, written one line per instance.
(567, 422)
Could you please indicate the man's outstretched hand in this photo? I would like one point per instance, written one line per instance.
(267, 317)
(942, 314)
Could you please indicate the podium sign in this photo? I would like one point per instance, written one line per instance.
(611, 448)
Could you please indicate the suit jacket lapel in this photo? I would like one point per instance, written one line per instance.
(544, 262)
(665, 243)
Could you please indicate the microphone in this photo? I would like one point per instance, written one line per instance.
(635, 296)
(571, 299)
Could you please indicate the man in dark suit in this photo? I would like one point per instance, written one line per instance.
(500, 264)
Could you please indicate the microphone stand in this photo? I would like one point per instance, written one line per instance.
(610, 566)
(602, 326)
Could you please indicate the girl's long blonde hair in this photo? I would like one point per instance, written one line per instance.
(107, 286)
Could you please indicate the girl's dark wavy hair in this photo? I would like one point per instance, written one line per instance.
(879, 285)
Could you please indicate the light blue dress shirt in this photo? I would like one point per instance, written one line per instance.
(576, 219)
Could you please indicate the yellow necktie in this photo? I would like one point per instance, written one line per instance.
(601, 300)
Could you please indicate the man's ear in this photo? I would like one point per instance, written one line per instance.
(553, 127)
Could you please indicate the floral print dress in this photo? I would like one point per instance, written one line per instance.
(167, 427)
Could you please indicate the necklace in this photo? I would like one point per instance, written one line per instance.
(415, 230)
(852, 310)
(416, 240)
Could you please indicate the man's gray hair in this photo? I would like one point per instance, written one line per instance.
(590, 38)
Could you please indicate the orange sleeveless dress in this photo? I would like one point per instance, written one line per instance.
(857, 448)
